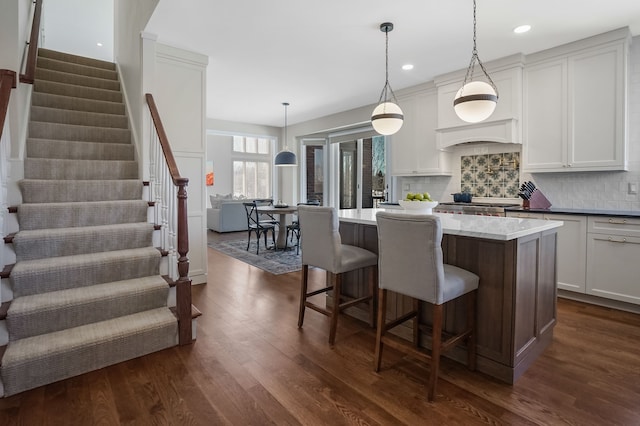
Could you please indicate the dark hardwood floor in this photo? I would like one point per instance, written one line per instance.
(252, 366)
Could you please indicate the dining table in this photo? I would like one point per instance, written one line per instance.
(282, 212)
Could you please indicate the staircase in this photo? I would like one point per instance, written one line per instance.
(87, 288)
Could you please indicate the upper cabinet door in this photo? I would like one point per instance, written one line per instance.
(402, 143)
(413, 148)
(545, 116)
(597, 105)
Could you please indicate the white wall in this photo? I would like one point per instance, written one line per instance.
(219, 150)
(177, 80)
(64, 20)
(130, 18)
(9, 50)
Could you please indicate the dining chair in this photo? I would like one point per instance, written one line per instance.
(411, 264)
(322, 247)
(293, 229)
(266, 218)
(258, 226)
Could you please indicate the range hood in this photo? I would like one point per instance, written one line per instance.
(504, 125)
(500, 131)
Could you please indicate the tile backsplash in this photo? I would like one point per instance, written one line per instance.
(490, 175)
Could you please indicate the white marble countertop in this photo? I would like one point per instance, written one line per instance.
(489, 227)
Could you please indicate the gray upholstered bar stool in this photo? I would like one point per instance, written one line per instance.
(322, 247)
(410, 263)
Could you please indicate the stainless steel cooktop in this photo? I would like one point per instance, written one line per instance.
(486, 209)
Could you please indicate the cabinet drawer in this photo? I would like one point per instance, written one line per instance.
(525, 215)
(614, 225)
(611, 270)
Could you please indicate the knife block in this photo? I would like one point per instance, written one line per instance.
(537, 201)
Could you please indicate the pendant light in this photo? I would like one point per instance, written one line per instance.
(476, 100)
(387, 117)
(285, 157)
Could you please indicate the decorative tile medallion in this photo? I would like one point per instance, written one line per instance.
(491, 175)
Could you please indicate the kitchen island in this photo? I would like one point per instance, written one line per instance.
(516, 303)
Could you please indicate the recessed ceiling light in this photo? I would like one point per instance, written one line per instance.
(99, 44)
(522, 29)
(407, 67)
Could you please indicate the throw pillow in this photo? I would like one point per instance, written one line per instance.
(215, 201)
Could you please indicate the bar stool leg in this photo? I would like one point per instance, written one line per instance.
(373, 284)
(337, 288)
(303, 294)
(436, 342)
(380, 330)
(471, 325)
(416, 323)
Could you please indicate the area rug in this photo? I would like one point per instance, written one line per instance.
(275, 262)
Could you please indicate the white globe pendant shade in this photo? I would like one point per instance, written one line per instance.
(387, 118)
(475, 101)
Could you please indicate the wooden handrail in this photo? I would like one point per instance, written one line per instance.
(183, 284)
(30, 71)
(7, 82)
(164, 141)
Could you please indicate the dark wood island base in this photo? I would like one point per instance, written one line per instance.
(516, 305)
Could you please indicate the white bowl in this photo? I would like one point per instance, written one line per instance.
(425, 207)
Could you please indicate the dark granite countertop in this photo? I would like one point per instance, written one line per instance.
(582, 212)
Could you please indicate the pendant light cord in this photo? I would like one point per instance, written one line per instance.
(385, 28)
(474, 57)
(286, 146)
(386, 58)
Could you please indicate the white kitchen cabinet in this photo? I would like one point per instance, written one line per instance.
(571, 250)
(413, 148)
(612, 256)
(575, 110)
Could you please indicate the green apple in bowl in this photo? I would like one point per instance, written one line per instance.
(419, 207)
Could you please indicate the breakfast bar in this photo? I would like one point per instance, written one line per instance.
(516, 303)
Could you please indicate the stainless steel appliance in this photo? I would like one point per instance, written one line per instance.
(481, 209)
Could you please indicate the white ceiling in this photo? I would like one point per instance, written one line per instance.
(327, 56)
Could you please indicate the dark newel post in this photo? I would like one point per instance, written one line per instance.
(183, 285)
(7, 82)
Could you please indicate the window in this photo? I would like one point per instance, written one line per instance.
(251, 145)
(252, 167)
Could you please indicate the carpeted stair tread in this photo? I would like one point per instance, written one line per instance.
(78, 104)
(75, 59)
(45, 168)
(69, 215)
(54, 311)
(74, 132)
(39, 360)
(79, 69)
(60, 273)
(77, 79)
(43, 243)
(64, 190)
(81, 118)
(54, 148)
(64, 89)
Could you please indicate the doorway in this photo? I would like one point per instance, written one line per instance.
(362, 173)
